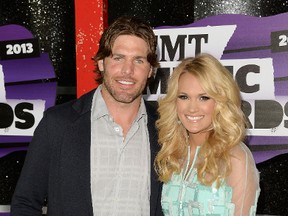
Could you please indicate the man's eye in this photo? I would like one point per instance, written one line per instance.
(139, 61)
(116, 58)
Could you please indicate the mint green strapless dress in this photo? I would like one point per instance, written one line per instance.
(184, 195)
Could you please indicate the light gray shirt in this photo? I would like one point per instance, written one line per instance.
(120, 168)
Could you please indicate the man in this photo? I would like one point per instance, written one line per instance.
(95, 155)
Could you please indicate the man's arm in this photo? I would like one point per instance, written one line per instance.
(32, 186)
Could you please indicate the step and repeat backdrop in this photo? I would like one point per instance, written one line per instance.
(45, 59)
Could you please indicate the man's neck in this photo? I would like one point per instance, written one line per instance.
(123, 113)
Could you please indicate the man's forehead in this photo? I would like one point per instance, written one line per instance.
(129, 37)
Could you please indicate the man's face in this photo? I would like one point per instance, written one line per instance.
(126, 70)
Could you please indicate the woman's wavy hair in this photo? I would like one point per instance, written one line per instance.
(228, 122)
(126, 25)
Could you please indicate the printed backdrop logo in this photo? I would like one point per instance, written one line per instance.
(255, 51)
(19, 117)
(27, 85)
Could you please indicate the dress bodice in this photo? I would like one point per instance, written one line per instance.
(184, 195)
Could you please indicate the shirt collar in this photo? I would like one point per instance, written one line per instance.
(99, 108)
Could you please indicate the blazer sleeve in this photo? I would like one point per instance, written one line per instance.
(44, 174)
(31, 189)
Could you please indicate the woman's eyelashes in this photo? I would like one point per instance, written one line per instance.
(183, 97)
(201, 97)
(204, 98)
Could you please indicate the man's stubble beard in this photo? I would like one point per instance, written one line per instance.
(122, 97)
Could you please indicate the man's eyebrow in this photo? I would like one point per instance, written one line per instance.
(122, 55)
(140, 57)
(117, 54)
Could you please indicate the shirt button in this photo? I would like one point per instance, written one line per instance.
(116, 129)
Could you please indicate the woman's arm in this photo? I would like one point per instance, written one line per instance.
(244, 180)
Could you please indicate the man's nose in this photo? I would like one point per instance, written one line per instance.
(128, 67)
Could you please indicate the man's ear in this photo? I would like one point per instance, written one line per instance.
(150, 72)
(100, 64)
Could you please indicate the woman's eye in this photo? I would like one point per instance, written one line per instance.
(182, 97)
(204, 98)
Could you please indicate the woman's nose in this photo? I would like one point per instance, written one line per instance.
(193, 106)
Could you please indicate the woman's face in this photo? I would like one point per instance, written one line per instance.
(194, 107)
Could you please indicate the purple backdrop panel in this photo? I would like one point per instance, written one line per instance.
(261, 156)
(34, 91)
(5, 151)
(14, 32)
(28, 69)
(15, 139)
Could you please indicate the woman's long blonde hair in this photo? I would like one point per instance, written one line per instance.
(228, 122)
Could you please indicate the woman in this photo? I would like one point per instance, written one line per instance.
(204, 164)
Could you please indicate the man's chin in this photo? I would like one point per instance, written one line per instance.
(126, 98)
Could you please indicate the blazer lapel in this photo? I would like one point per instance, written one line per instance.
(156, 186)
(76, 156)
